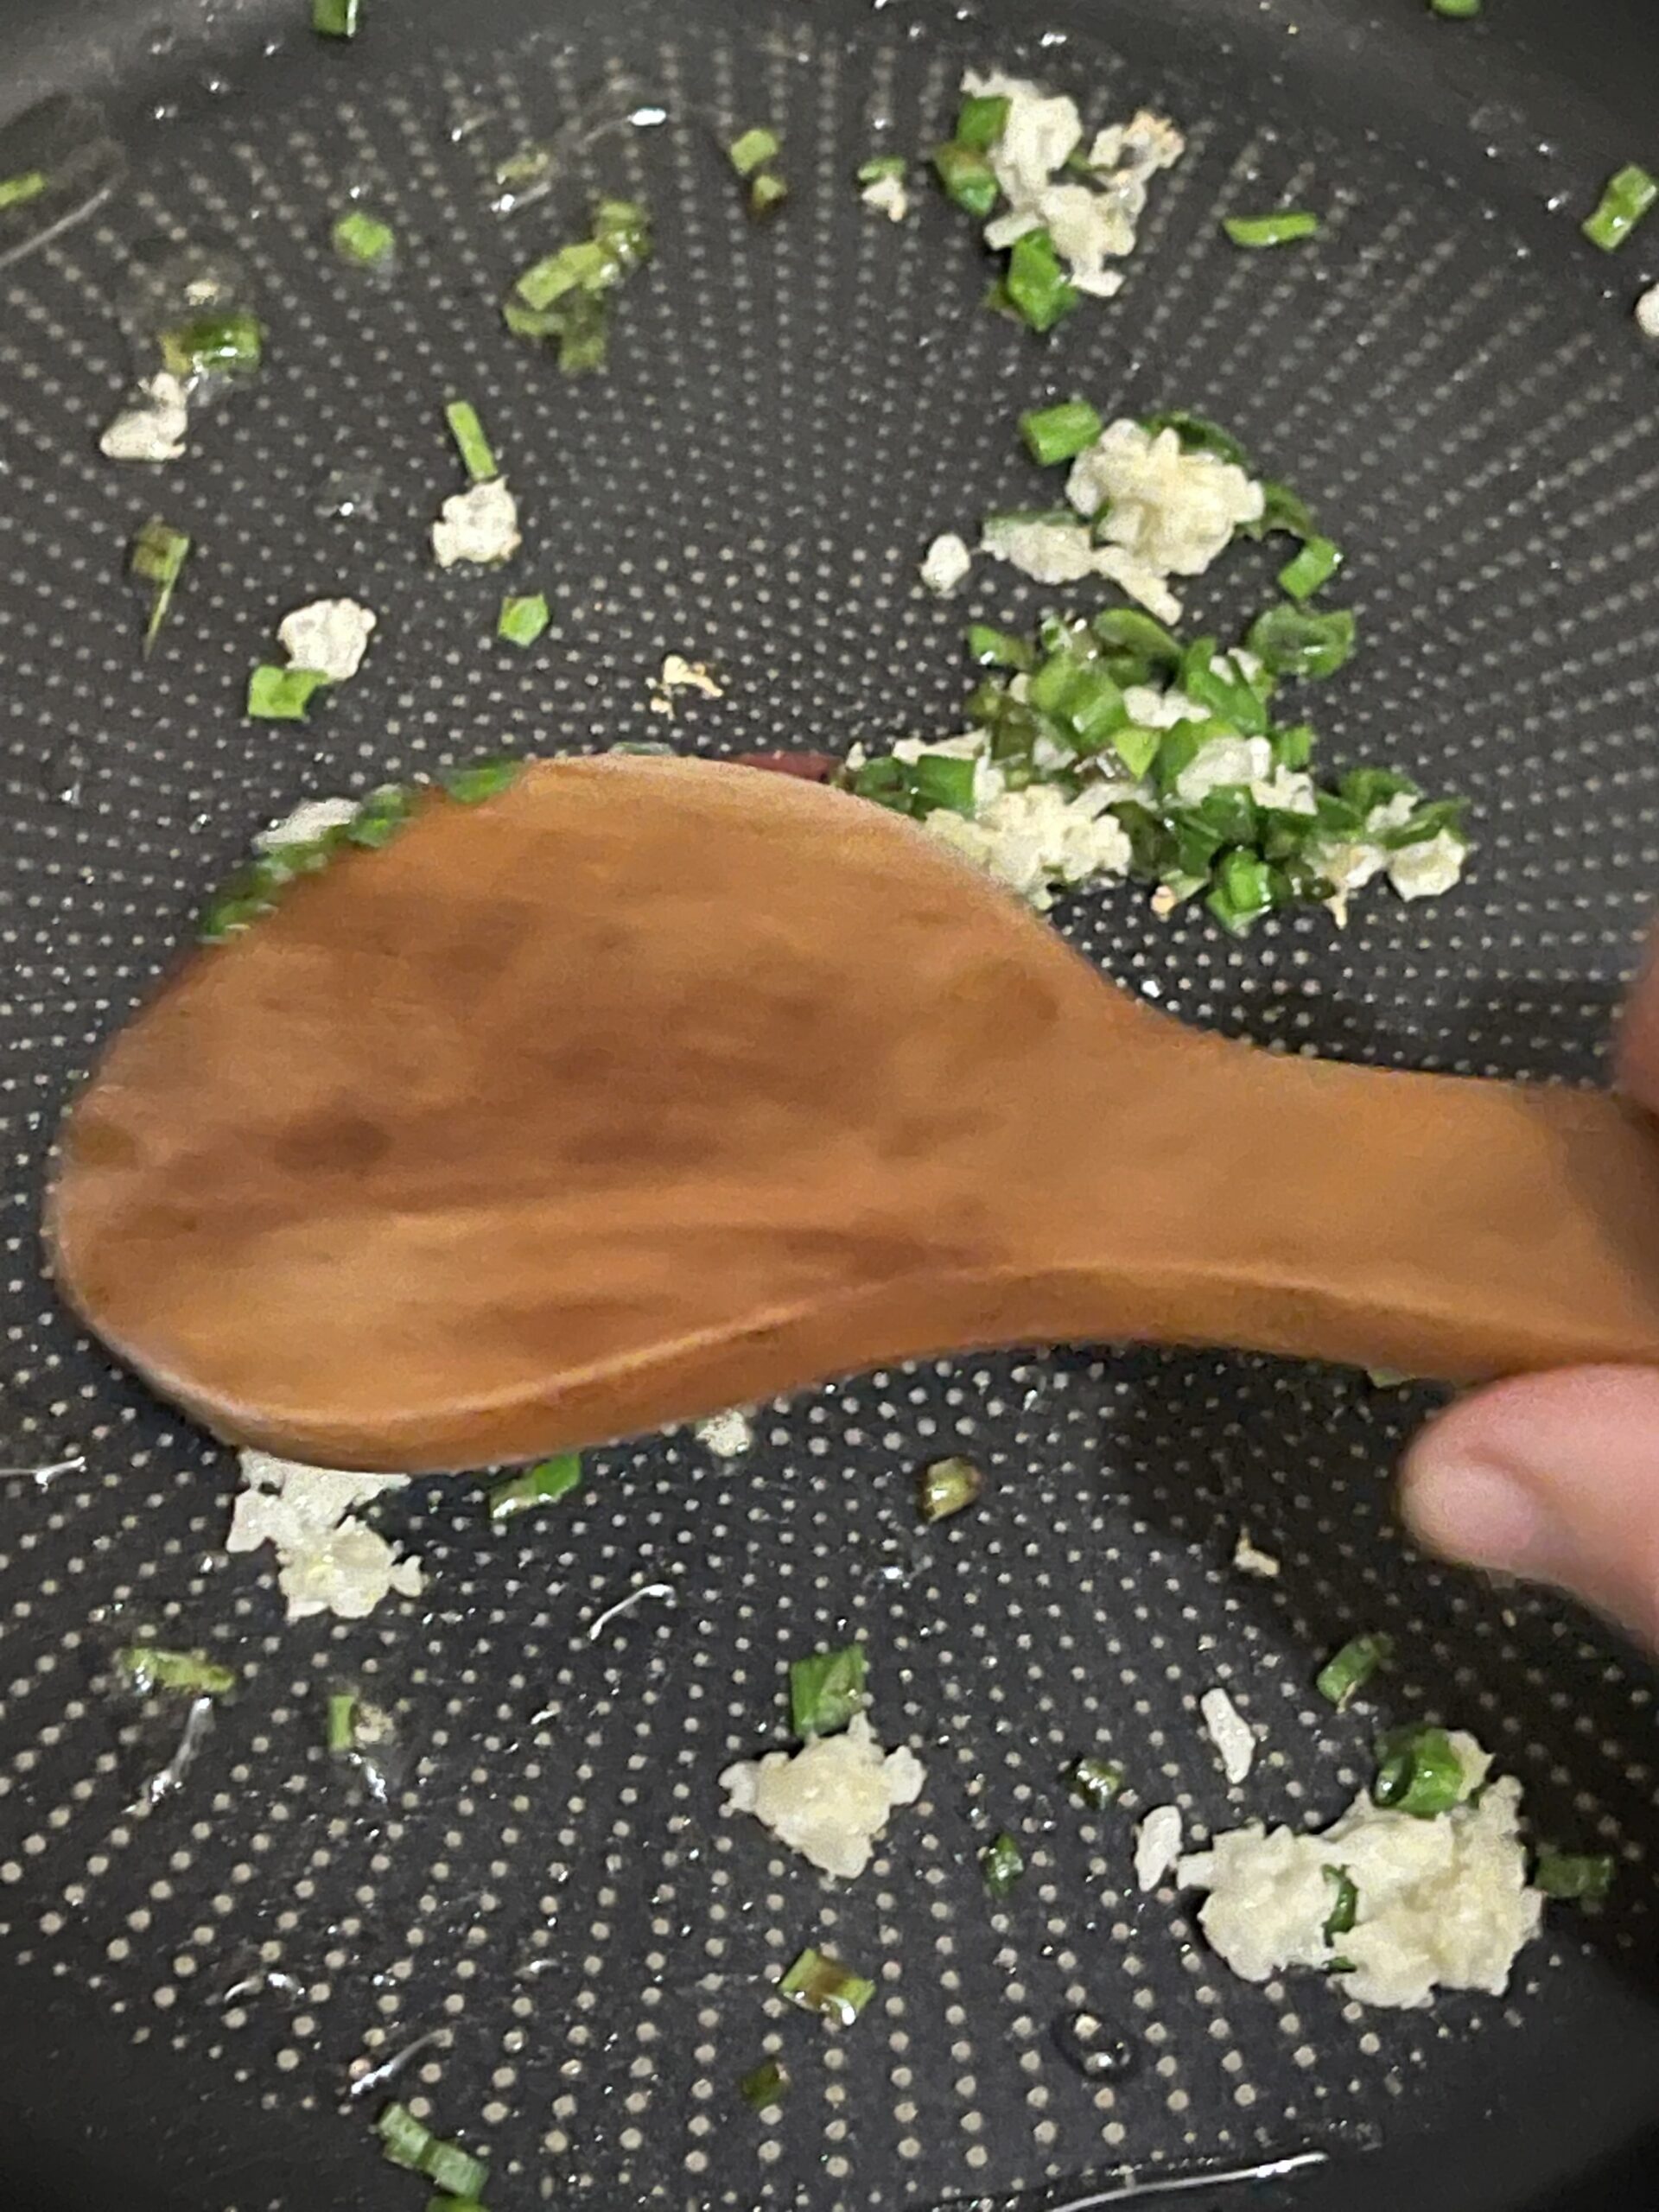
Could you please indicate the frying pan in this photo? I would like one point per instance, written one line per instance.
(1453, 379)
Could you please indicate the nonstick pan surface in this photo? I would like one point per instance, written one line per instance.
(1453, 380)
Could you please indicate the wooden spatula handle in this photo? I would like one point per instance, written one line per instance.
(1444, 1227)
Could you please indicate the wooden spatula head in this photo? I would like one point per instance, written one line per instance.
(565, 1114)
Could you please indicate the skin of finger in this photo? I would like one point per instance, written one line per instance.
(1582, 1448)
(1639, 1039)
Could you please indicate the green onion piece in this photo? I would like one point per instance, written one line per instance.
(1094, 1782)
(342, 1720)
(768, 193)
(1126, 629)
(1227, 696)
(1578, 1876)
(17, 191)
(883, 165)
(584, 266)
(483, 780)
(1002, 1863)
(158, 557)
(1137, 749)
(457, 2172)
(1078, 694)
(968, 177)
(752, 149)
(547, 1480)
(990, 648)
(818, 1983)
(981, 121)
(1241, 891)
(334, 18)
(1271, 230)
(1281, 510)
(1346, 1673)
(1464, 8)
(947, 1486)
(622, 227)
(1037, 284)
(363, 239)
(1314, 566)
(522, 621)
(1344, 1907)
(1626, 200)
(380, 817)
(282, 695)
(1060, 433)
(938, 780)
(1197, 433)
(404, 2140)
(1292, 641)
(766, 2087)
(825, 1690)
(446, 2203)
(1419, 1772)
(232, 344)
(149, 1668)
(474, 447)
(1292, 747)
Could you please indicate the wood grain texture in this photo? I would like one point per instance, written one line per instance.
(651, 1087)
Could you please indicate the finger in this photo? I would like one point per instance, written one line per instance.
(1552, 1477)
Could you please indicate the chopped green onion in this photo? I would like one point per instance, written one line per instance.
(1197, 433)
(1315, 565)
(404, 2140)
(1419, 1772)
(474, 447)
(1137, 747)
(768, 193)
(1576, 1877)
(17, 191)
(1293, 641)
(818, 1983)
(342, 1720)
(1241, 891)
(231, 344)
(752, 149)
(938, 780)
(334, 18)
(1227, 696)
(1629, 196)
(380, 817)
(363, 239)
(1094, 1782)
(457, 2172)
(1344, 1906)
(968, 177)
(947, 1486)
(990, 648)
(1037, 285)
(1281, 510)
(548, 1480)
(158, 557)
(1463, 8)
(446, 2203)
(765, 2087)
(1346, 1673)
(1002, 1863)
(883, 165)
(522, 621)
(1292, 747)
(1077, 694)
(981, 121)
(1271, 230)
(149, 1668)
(1060, 433)
(483, 780)
(1126, 629)
(562, 295)
(825, 1690)
(282, 695)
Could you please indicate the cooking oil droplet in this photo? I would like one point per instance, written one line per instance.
(351, 494)
(1088, 2042)
(64, 777)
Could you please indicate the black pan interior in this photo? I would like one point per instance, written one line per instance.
(1455, 380)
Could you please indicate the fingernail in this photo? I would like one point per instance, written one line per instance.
(1485, 1514)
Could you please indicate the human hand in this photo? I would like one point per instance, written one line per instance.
(1556, 1476)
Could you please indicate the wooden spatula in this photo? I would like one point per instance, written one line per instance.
(650, 1087)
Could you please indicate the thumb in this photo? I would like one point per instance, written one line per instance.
(1555, 1477)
